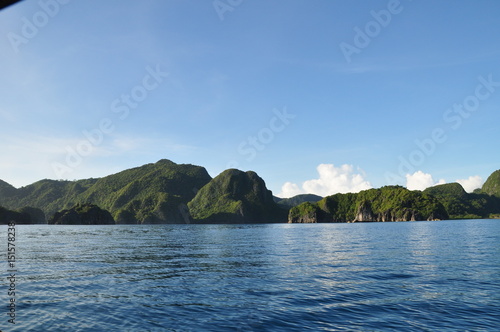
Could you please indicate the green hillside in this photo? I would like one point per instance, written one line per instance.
(390, 203)
(236, 197)
(166, 192)
(299, 199)
(451, 190)
(461, 205)
(6, 189)
(24, 216)
(492, 184)
(48, 195)
(153, 193)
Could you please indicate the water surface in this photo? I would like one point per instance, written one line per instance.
(413, 276)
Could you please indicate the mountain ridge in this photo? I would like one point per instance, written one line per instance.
(166, 192)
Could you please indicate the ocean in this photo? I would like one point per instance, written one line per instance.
(408, 276)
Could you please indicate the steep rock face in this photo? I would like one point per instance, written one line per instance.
(492, 184)
(365, 213)
(235, 197)
(86, 214)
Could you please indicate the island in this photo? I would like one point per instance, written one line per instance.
(168, 193)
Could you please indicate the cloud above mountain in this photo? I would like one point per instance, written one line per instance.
(331, 180)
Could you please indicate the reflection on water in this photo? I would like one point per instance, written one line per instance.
(364, 276)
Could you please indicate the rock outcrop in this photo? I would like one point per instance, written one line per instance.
(86, 214)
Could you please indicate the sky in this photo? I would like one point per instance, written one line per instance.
(316, 96)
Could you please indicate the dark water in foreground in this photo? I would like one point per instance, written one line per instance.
(418, 276)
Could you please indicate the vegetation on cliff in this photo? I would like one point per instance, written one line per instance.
(166, 192)
(492, 184)
(236, 197)
(153, 193)
(390, 203)
(461, 205)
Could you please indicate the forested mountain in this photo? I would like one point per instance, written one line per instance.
(299, 199)
(390, 203)
(236, 197)
(461, 205)
(153, 193)
(166, 192)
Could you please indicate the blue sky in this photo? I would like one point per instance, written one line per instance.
(315, 96)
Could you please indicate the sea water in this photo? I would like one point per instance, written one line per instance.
(411, 276)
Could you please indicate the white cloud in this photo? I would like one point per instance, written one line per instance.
(331, 180)
(290, 189)
(420, 181)
(473, 182)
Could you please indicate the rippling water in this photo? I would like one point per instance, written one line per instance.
(418, 276)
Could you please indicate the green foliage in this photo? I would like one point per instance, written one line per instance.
(6, 189)
(235, 196)
(452, 190)
(461, 205)
(299, 199)
(306, 208)
(82, 214)
(25, 216)
(492, 184)
(150, 193)
(391, 203)
(48, 195)
(166, 192)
